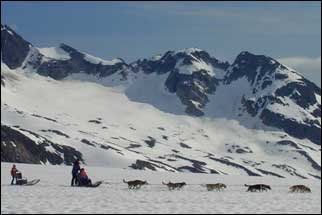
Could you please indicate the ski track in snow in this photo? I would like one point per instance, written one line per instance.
(53, 194)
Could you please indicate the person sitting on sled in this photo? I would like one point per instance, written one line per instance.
(83, 178)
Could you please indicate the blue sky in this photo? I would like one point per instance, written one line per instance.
(283, 30)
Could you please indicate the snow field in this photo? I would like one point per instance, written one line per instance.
(73, 103)
(54, 195)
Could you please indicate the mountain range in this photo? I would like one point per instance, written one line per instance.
(183, 110)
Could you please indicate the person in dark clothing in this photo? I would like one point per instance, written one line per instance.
(76, 169)
(14, 174)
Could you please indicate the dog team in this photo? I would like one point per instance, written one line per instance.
(137, 184)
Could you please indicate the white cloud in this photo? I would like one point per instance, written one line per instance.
(308, 67)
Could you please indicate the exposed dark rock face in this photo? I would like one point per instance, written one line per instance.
(152, 165)
(16, 147)
(315, 176)
(167, 62)
(317, 112)
(239, 150)
(202, 55)
(43, 117)
(191, 169)
(192, 89)
(230, 163)
(288, 143)
(197, 166)
(2, 81)
(269, 173)
(151, 142)
(294, 128)
(87, 142)
(305, 95)
(310, 129)
(70, 154)
(132, 146)
(14, 49)
(314, 164)
(289, 169)
(108, 147)
(183, 145)
(95, 121)
(140, 164)
(261, 71)
(56, 132)
(59, 69)
(254, 67)
(165, 137)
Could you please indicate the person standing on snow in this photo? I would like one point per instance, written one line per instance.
(14, 174)
(76, 169)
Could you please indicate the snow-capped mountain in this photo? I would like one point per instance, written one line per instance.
(179, 111)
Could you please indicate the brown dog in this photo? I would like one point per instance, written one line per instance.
(217, 187)
(136, 184)
(300, 188)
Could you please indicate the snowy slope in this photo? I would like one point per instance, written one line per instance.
(54, 195)
(96, 60)
(54, 53)
(181, 111)
(118, 132)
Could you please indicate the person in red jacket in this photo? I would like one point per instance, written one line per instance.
(13, 173)
(83, 178)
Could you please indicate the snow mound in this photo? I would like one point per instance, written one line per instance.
(196, 65)
(54, 53)
(188, 51)
(96, 60)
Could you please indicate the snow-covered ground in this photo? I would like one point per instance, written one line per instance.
(130, 119)
(54, 195)
(123, 118)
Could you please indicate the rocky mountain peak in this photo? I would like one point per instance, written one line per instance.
(249, 60)
(67, 48)
(251, 66)
(14, 49)
(192, 74)
(256, 91)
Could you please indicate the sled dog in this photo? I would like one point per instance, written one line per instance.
(173, 186)
(257, 187)
(136, 184)
(217, 187)
(300, 188)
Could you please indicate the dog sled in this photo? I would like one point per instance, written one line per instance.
(93, 185)
(23, 181)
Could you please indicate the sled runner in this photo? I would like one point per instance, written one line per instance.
(24, 182)
(32, 182)
(94, 185)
